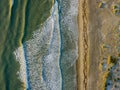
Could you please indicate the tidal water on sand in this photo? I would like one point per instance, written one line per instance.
(47, 47)
(42, 54)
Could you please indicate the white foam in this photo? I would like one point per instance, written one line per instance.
(69, 29)
(19, 53)
(43, 51)
(42, 55)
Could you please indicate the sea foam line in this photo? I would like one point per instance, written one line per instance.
(68, 12)
(19, 53)
(34, 60)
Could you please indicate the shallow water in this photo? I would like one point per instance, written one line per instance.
(13, 26)
(42, 46)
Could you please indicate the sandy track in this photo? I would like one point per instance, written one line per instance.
(82, 62)
(93, 23)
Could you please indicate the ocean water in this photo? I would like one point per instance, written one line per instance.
(16, 24)
(69, 34)
(39, 46)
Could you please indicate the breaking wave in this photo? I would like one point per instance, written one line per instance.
(42, 54)
(47, 61)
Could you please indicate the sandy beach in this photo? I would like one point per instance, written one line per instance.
(96, 26)
(40, 41)
(87, 63)
(82, 62)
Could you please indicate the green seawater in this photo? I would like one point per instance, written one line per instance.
(16, 26)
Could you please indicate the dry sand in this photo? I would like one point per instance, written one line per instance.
(88, 61)
(93, 23)
(94, 37)
(82, 62)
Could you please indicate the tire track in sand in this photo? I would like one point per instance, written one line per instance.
(82, 63)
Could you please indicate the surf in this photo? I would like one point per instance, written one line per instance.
(39, 56)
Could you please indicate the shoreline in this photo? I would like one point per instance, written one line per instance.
(83, 43)
(19, 54)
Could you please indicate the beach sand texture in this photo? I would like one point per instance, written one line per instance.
(98, 39)
(60, 45)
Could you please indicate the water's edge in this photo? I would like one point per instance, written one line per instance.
(47, 61)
